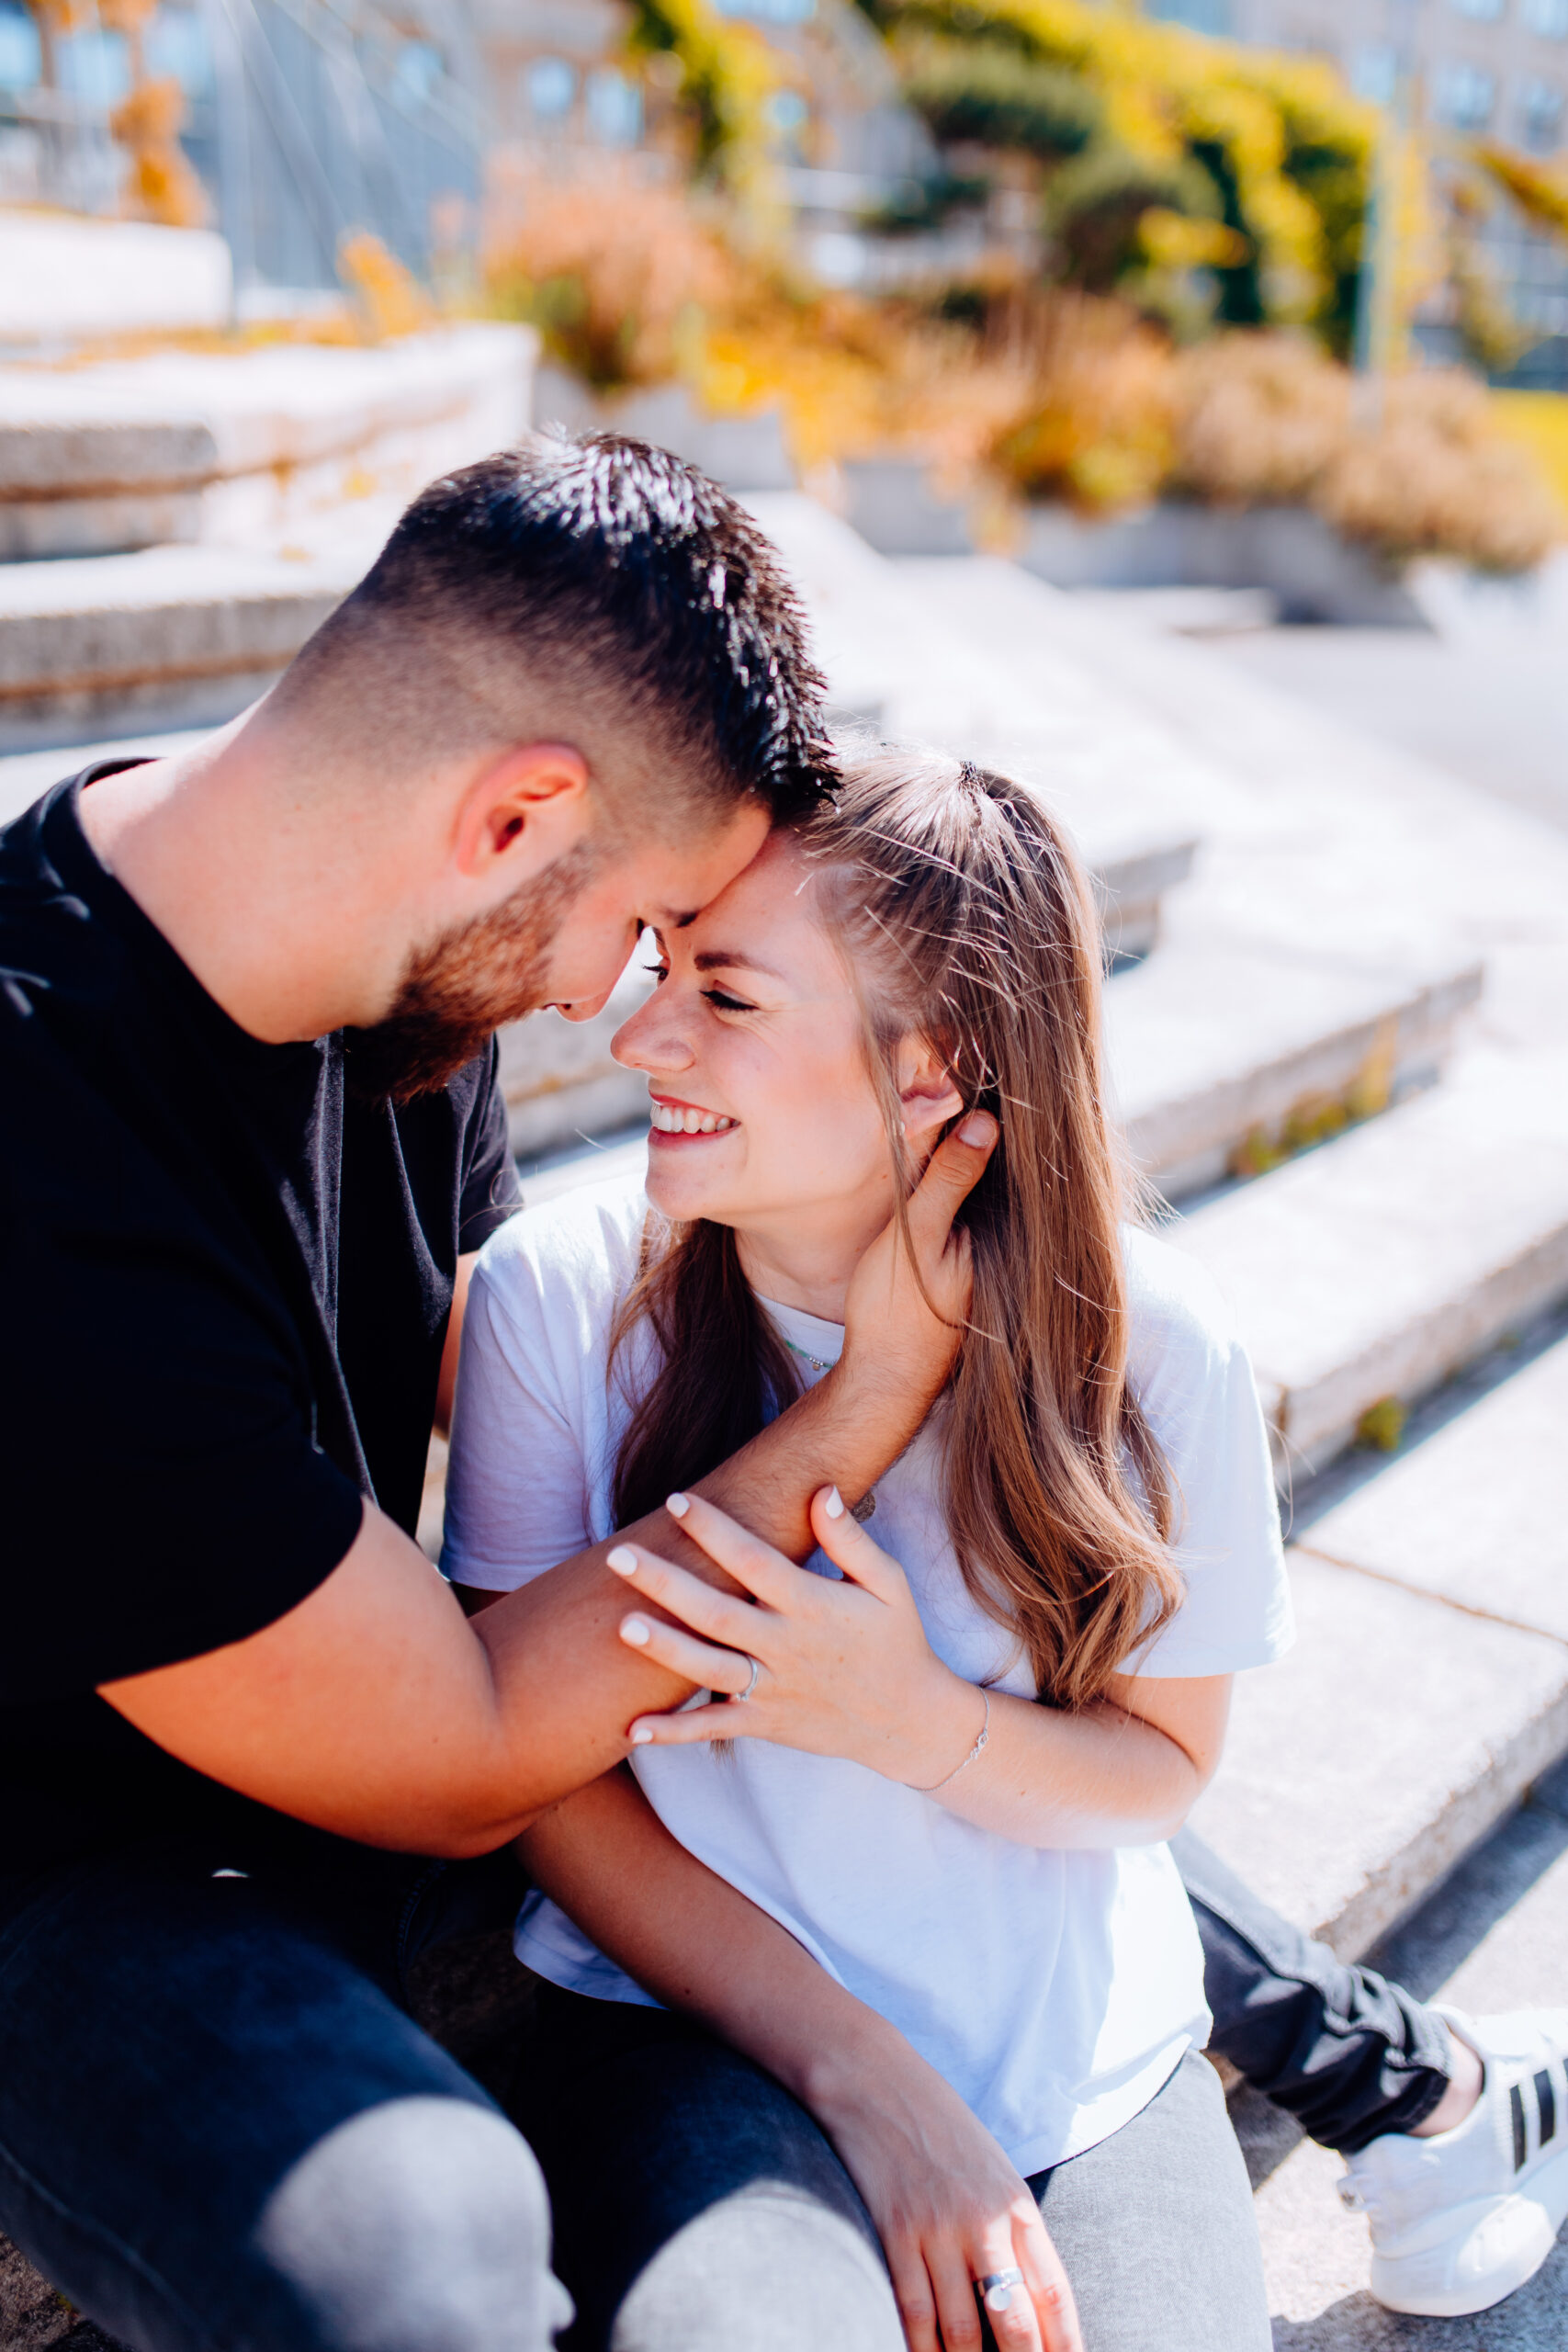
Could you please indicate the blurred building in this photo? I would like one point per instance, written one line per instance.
(1461, 70)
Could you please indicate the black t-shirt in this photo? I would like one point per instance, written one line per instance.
(224, 1288)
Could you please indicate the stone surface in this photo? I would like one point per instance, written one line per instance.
(169, 635)
(1396, 1734)
(240, 447)
(1431, 1520)
(64, 278)
(1372, 1269)
(1212, 1044)
(1123, 786)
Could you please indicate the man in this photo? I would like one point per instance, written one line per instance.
(252, 1138)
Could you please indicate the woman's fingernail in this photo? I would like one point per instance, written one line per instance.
(641, 1738)
(623, 1559)
(636, 1630)
(834, 1505)
(980, 1129)
(677, 1506)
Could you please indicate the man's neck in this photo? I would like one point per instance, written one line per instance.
(253, 893)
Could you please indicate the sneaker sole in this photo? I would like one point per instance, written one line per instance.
(1548, 2203)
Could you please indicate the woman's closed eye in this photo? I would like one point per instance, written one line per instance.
(725, 1002)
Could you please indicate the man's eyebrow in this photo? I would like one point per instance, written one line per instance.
(714, 960)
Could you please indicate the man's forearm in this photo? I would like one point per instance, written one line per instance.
(566, 1684)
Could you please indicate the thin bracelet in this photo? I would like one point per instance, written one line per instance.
(979, 1744)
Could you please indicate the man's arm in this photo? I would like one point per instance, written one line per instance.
(375, 1709)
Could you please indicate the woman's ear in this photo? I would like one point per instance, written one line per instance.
(927, 1094)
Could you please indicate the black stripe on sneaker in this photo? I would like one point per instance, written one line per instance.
(1546, 2100)
(1521, 2145)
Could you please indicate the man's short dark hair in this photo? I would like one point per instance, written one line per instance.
(634, 587)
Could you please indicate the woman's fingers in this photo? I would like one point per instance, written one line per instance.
(1046, 2285)
(681, 1653)
(763, 1572)
(718, 1615)
(690, 1727)
(912, 2293)
(848, 1547)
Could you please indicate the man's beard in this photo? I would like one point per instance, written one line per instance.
(458, 990)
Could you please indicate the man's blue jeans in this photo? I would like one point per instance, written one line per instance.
(219, 2127)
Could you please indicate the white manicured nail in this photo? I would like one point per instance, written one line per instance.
(677, 1506)
(623, 1559)
(834, 1505)
(642, 1738)
(636, 1630)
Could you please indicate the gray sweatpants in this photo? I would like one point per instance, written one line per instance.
(699, 2209)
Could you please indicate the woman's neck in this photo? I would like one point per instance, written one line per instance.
(806, 1264)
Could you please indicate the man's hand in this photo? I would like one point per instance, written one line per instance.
(905, 1317)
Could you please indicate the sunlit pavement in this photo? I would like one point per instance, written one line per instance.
(1486, 694)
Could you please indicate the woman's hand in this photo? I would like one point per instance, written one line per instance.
(949, 2209)
(842, 1669)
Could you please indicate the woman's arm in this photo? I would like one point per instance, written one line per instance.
(947, 2204)
(846, 1671)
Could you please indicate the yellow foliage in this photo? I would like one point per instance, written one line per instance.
(1539, 422)
(163, 185)
(1383, 1425)
(1178, 241)
(390, 300)
(728, 75)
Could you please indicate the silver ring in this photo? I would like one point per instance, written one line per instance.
(995, 2288)
(737, 1698)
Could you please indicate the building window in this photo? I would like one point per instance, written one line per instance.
(770, 12)
(1198, 16)
(1548, 17)
(551, 84)
(1463, 94)
(1540, 115)
(1487, 10)
(614, 108)
(1374, 73)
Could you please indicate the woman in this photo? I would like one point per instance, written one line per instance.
(954, 1768)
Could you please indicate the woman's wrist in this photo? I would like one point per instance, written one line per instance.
(947, 1721)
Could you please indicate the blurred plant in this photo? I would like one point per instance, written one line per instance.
(725, 75)
(387, 297)
(1097, 422)
(1257, 418)
(1157, 118)
(1540, 190)
(618, 282)
(1538, 423)
(1429, 474)
(1492, 335)
(163, 185)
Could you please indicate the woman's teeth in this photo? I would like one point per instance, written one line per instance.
(672, 1122)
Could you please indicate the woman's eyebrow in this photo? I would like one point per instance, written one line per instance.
(714, 959)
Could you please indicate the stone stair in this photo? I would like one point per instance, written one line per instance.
(202, 513)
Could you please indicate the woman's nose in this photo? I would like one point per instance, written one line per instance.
(653, 1039)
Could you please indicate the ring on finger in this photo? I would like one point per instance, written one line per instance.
(995, 2289)
(737, 1698)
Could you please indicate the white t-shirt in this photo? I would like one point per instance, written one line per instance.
(1054, 1990)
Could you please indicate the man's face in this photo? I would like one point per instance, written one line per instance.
(563, 939)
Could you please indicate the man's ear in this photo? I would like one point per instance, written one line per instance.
(524, 808)
(925, 1091)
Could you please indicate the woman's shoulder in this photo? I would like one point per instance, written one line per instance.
(1180, 1321)
(584, 1245)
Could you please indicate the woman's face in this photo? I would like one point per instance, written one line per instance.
(764, 1116)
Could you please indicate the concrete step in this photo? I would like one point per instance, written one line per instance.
(1224, 1056)
(1428, 1688)
(1123, 786)
(242, 448)
(175, 636)
(1372, 1269)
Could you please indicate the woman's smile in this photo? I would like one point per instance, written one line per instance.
(672, 1120)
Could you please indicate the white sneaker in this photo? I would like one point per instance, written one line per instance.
(1460, 2220)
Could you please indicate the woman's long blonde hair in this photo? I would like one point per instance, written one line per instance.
(964, 919)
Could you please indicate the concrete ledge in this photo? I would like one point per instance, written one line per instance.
(1473, 1516)
(62, 276)
(1376, 1266)
(1367, 1762)
(1209, 1047)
